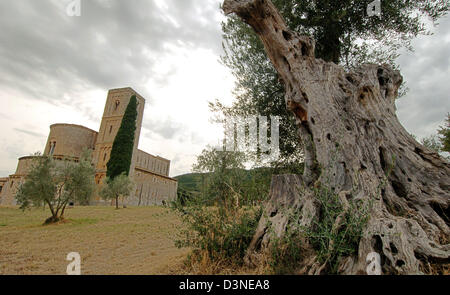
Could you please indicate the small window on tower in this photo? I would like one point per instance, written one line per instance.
(110, 129)
(117, 105)
(104, 157)
(52, 148)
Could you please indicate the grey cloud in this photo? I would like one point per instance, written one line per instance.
(28, 132)
(196, 137)
(14, 150)
(6, 116)
(4, 173)
(167, 128)
(47, 54)
(183, 163)
(427, 73)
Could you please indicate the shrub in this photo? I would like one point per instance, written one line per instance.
(222, 233)
(330, 245)
(55, 184)
(286, 253)
(120, 186)
(346, 239)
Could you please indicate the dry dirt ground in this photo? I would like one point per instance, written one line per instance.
(109, 241)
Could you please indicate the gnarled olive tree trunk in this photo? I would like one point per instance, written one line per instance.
(355, 145)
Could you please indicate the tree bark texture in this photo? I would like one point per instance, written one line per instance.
(355, 145)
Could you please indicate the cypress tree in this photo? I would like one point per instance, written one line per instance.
(444, 132)
(122, 149)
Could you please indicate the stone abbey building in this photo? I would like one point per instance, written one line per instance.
(150, 173)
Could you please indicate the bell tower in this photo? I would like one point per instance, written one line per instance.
(116, 104)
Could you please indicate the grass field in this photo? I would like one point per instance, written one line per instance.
(125, 241)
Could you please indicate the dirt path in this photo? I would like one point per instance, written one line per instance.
(109, 241)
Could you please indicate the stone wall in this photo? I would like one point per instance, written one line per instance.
(3, 187)
(9, 190)
(149, 173)
(152, 189)
(68, 140)
(152, 163)
(116, 104)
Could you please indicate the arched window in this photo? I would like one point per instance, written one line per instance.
(52, 148)
(116, 105)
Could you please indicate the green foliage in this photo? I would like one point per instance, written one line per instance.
(223, 208)
(190, 182)
(183, 197)
(40, 184)
(254, 182)
(439, 142)
(120, 186)
(330, 243)
(221, 174)
(342, 29)
(55, 183)
(432, 142)
(122, 149)
(444, 132)
(222, 216)
(226, 176)
(346, 239)
(79, 184)
(286, 253)
(222, 232)
(343, 33)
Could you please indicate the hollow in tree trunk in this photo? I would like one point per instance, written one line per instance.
(354, 145)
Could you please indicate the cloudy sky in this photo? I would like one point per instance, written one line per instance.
(55, 68)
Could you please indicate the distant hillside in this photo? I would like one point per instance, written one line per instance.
(190, 182)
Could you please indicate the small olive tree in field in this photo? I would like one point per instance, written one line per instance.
(120, 186)
(55, 183)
